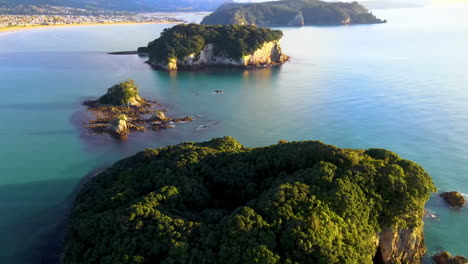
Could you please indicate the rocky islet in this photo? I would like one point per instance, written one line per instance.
(121, 111)
(454, 199)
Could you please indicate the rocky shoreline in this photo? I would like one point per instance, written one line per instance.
(200, 67)
(445, 257)
(268, 55)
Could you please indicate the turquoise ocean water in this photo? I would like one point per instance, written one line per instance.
(401, 86)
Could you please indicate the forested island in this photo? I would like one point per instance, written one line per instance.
(291, 13)
(221, 202)
(196, 46)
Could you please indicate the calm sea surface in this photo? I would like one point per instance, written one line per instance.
(401, 86)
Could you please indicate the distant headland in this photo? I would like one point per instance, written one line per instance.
(194, 46)
(292, 13)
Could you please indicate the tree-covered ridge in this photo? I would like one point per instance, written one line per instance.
(230, 41)
(221, 202)
(291, 13)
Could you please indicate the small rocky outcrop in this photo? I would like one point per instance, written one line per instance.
(454, 199)
(119, 125)
(122, 111)
(445, 257)
(159, 116)
(458, 260)
(442, 257)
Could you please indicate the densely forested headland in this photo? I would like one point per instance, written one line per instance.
(291, 13)
(221, 202)
(183, 44)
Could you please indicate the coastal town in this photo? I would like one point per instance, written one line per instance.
(12, 21)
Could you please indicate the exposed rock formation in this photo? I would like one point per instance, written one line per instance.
(269, 54)
(454, 199)
(442, 257)
(445, 257)
(458, 260)
(297, 21)
(405, 246)
(119, 126)
(159, 116)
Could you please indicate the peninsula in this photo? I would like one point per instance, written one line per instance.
(221, 202)
(194, 46)
(291, 13)
(121, 111)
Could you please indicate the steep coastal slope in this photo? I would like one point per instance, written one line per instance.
(194, 46)
(220, 202)
(291, 13)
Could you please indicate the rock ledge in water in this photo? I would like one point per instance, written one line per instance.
(454, 199)
(445, 257)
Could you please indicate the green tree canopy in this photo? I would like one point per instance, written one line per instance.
(221, 202)
(230, 41)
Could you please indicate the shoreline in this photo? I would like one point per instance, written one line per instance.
(24, 28)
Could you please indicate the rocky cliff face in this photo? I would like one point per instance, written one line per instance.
(269, 54)
(405, 246)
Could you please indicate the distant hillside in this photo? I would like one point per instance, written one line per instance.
(125, 5)
(292, 13)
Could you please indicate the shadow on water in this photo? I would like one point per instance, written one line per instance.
(222, 72)
(43, 232)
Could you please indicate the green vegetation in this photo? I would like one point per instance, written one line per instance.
(230, 41)
(122, 94)
(220, 202)
(291, 13)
